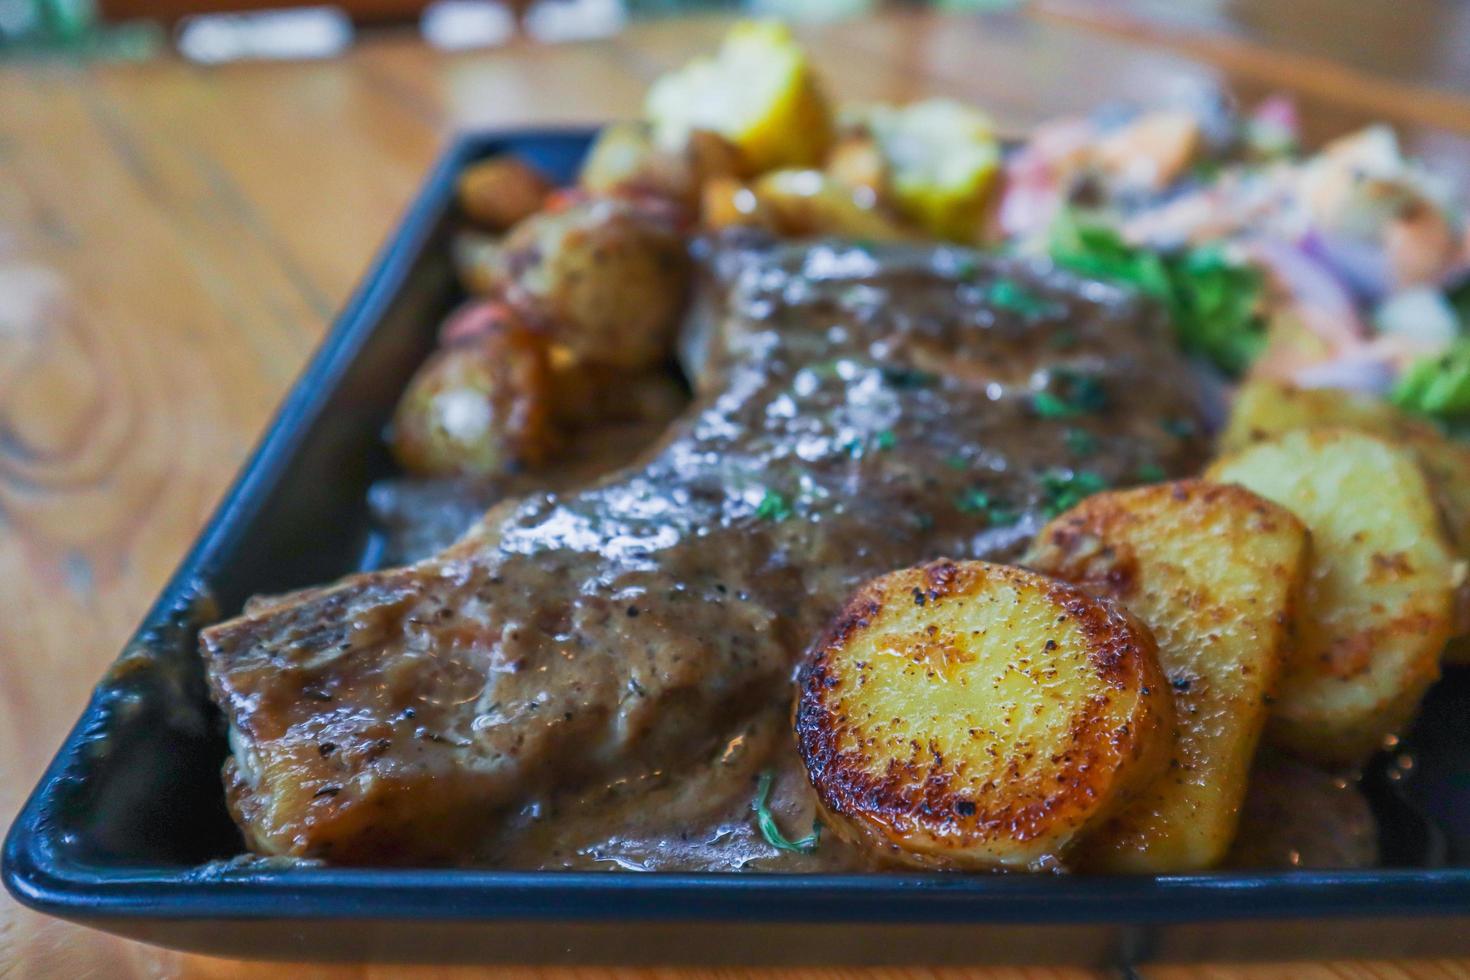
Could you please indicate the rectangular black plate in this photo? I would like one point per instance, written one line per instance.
(122, 830)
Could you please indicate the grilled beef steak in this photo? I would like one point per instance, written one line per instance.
(861, 409)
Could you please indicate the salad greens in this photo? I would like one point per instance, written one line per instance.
(1214, 302)
(1439, 386)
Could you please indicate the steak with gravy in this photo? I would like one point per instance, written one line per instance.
(860, 409)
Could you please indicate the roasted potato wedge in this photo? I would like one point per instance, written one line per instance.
(501, 191)
(625, 161)
(478, 407)
(758, 92)
(809, 203)
(1217, 574)
(971, 715)
(725, 202)
(941, 161)
(606, 276)
(856, 160)
(1380, 595)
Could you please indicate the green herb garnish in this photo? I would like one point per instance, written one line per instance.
(1065, 489)
(773, 507)
(905, 377)
(885, 439)
(1213, 301)
(767, 822)
(1007, 294)
(975, 501)
(1074, 394)
(1151, 473)
(1080, 442)
(956, 462)
(1437, 386)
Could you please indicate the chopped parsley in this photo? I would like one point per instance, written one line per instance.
(857, 447)
(956, 462)
(773, 507)
(1072, 393)
(1151, 473)
(905, 377)
(766, 821)
(1007, 294)
(975, 501)
(1080, 442)
(1213, 301)
(1064, 489)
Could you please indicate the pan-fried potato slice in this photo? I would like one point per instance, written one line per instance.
(1216, 572)
(1380, 594)
(970, 715)
(1264, 409)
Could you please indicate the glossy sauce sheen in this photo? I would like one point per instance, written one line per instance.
(596, 678)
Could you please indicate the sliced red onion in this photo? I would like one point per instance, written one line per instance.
(1323, 302)
(1362, 265)
(1368, 375)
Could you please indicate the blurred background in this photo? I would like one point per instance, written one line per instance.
(1407, 39)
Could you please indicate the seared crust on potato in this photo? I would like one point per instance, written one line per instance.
(1265, 409)
(1217, 573)
(971, 715)
(1380, 595)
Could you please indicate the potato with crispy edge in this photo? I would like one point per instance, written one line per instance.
(972, 715)
(1380, 594)
(1264, 409)
(1217, 573)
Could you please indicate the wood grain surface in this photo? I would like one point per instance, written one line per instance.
(174, 240)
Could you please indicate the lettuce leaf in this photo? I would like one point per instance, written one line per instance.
(1214, 302)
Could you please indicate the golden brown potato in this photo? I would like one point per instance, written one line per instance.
(809, 203)
(1264, 409)
(1217, 573)
(501, 191)
(1380, 594)
(478, 407)
(857, 161)
(606, 276)
(759, 92)
(971, 715)
(727, 203)
(594, 394)
(625, 161)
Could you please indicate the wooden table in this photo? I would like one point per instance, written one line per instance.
(174, 240)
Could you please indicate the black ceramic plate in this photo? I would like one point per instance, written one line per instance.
(128, 831)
